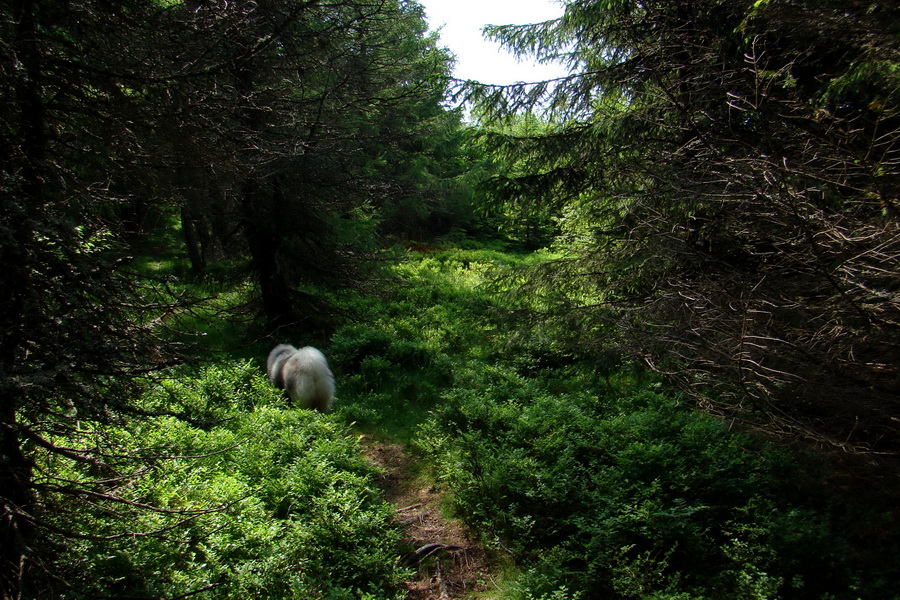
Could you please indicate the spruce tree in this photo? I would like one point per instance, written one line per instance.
(730, 173)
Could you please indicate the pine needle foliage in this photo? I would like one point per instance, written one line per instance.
(727, 171)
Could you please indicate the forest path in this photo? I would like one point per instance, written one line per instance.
(450, 563)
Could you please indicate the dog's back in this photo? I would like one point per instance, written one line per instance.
(275, 364)
(304, 373)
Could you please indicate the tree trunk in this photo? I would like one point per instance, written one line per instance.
(260, 229)
(15, 529)
(189, 230)
(15, 469)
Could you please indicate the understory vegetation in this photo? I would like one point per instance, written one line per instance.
(237, 496)
(590, 486)
(597, 486)
(639, 326)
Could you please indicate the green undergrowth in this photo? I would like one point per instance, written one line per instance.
(637, 496)
(593, 478)
(248, 497)
(586, 476)
(394, 363)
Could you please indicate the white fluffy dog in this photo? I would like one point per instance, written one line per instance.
(304, 373)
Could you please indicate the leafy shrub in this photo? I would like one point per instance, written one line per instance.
(393, 367)
(634, 497)
(268, 502)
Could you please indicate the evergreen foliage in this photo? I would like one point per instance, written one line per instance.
(317, 115)
(712, 192)
(262, 125)
(76, 326)
(727, 171)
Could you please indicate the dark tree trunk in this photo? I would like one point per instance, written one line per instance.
(15, 528)
(259, 211)
(190, 231)
(260, 220)
(15, 469)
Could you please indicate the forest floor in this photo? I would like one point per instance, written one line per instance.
(449, 562)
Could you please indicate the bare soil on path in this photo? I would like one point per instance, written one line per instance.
(449, 562)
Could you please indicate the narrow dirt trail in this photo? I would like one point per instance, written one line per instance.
(450, 564)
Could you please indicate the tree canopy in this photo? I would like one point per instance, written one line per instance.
(729, 170)
(716, 181)
(264, 124)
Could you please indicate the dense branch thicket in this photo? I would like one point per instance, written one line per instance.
(283, 122)
(731, 171)
(261, 122)
(75, 327)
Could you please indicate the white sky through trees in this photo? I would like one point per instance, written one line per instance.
(460, 23)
